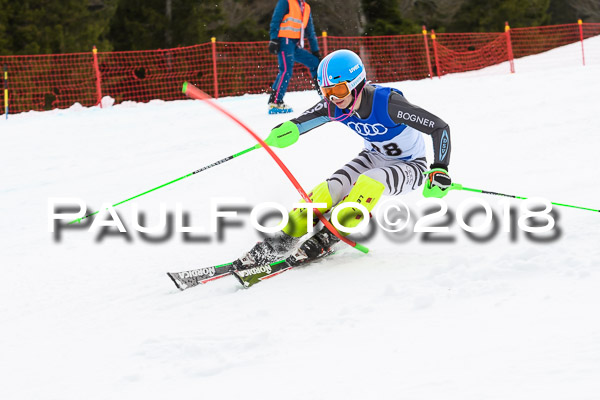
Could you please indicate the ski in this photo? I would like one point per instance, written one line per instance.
(251, 276)
(247, 277)
(187, 279)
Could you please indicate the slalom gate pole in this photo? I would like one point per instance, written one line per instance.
(195, 93)
(175, 180)
(6, 91)
(456, 186)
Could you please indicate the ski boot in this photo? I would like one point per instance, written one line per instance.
(279, 107)
(264, 253)
(319, 245)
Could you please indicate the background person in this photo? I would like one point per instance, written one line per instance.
(291, 21)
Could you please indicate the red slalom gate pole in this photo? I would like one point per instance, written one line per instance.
(427, 52)
(5, 91)
(580, 22)
(509, 47)
(195, 93)
(98, 78)
(214, 60)
(435, 54)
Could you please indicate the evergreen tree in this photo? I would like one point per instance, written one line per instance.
(435, 14)
(490, 15)
(5, 38)
(384, 18)
(54, 26)
(587, 10)
(63, 26)
(160, 24)
(205, 19)
(246, 20)
(562, 12)
(338, 17)
(138, 25)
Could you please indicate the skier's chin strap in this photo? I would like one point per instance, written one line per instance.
(346, 115)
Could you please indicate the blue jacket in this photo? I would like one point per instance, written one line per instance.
(281, 9)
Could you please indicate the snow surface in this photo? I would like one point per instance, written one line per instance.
(98, 319)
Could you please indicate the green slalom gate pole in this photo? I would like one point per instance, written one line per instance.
(176, 180)
(457, 186)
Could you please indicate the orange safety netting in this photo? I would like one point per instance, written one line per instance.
(228, 69)
(529, 41)
(459, 52)
(158, 74)
(387, 58)
(49, 81)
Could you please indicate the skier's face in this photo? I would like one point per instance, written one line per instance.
(343, 103)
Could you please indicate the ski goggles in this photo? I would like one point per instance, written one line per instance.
(338, 91)
(342, 90)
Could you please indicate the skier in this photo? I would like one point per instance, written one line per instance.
(291, 20)
(392, 162)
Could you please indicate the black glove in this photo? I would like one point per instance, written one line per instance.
(274, 46)
(440, 178)
(438, 182)
(317, 54)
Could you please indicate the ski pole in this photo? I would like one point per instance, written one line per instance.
(192, 91)
(457, 186)
(175, 180)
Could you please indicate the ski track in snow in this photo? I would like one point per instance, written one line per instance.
(98, 318)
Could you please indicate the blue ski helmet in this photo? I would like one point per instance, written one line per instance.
(341, 66)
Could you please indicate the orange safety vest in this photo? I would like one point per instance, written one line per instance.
(293, 23)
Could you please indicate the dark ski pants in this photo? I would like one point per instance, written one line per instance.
(289, 53)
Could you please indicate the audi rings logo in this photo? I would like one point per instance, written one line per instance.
(368, 129)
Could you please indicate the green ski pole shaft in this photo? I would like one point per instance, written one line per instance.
(175, 180)
(456, 186)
